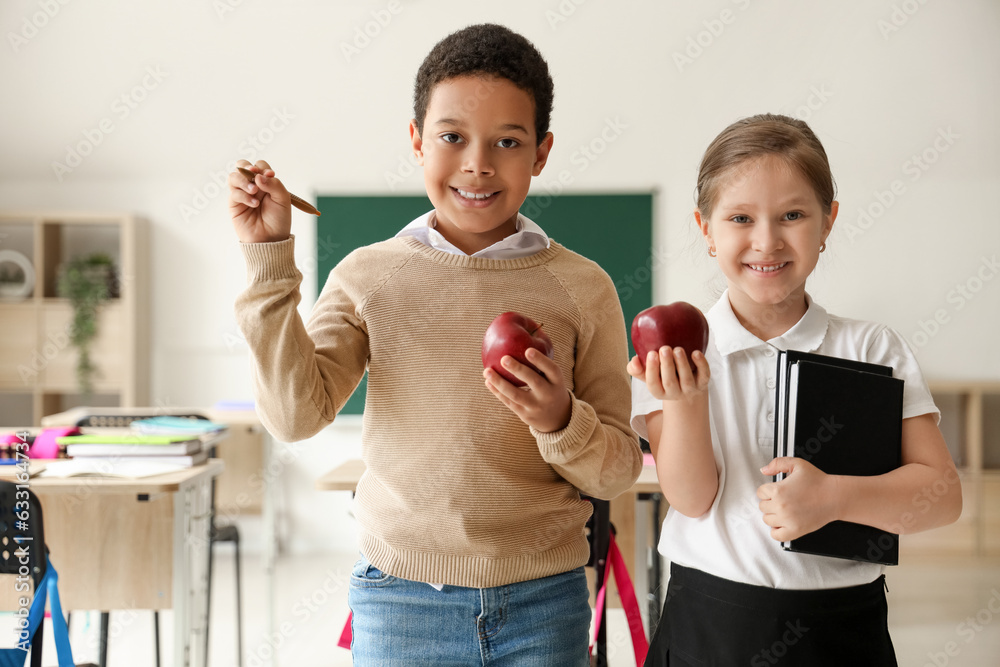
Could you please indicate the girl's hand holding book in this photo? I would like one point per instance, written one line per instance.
(803, 502)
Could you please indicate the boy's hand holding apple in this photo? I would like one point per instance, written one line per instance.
(520, 372)
(261, 209)
(662, 337)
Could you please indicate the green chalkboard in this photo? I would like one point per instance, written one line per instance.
(614, 230)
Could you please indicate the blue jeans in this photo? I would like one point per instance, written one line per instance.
(401, 623)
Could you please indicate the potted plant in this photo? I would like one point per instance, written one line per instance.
(87, 282)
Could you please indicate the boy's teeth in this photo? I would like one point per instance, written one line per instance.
(767, 269)
(473, 195)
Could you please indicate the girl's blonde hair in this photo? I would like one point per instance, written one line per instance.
(755, 137)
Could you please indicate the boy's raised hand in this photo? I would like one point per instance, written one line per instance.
(545, 403)
(669, 376)
(262, 208)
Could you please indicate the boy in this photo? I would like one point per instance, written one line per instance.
(476, 495)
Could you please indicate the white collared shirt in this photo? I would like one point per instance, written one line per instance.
(527, 240)
(731, 540)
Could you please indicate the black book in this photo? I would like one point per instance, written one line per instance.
(845, 417)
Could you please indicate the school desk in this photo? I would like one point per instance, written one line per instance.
(250, 483)
(623, 515)
(132, 544)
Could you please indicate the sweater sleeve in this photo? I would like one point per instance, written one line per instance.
(301, 377)
(597, 451)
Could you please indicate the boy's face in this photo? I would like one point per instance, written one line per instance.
(479, 152)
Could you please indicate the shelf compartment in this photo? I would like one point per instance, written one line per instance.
(991, 431)
(19, 236)
(106, 351)
(16, 409)
(63, 242)
(18, 346)
(54, 402)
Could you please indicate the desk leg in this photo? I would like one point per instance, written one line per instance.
(623, 519)
(655, 571)
(192, 513)
(270, 516)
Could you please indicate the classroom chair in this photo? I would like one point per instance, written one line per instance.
(12, 534)
(599, 536)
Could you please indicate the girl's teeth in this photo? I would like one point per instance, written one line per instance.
(767, 269)
(473, 195)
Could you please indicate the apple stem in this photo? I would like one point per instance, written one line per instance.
(538, 328)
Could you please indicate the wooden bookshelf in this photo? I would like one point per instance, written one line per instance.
(37, 362)
(970, 422)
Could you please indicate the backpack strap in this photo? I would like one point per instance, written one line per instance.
(626, 590)
(48, 588)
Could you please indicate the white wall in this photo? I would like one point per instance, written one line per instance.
(879, 81)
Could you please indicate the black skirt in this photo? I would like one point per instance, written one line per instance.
(708, 620)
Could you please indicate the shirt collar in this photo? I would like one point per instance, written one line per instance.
(730, 336)
(527, 240)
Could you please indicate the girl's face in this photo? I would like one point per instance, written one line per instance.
(767, 227)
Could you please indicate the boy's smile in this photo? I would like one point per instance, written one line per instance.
(479, 152)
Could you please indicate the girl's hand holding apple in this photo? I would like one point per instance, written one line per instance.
(669, 375)
(662, 337)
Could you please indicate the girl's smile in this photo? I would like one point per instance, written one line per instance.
(767, 228)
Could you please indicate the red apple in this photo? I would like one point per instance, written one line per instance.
(513, 333)
(678, 324)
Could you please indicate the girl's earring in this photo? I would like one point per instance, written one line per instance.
(712, 253)
(822, 247)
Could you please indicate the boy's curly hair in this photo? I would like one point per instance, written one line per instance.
(492, 50)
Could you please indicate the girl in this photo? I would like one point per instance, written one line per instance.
(765, 206)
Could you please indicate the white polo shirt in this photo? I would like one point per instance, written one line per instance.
(731, 540)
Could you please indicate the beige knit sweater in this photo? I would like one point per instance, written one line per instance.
(458, 490)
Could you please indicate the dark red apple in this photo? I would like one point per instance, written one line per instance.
(513, 333)
(678, 324)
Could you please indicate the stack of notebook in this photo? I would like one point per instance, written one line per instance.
(146, 447)
(845, 417)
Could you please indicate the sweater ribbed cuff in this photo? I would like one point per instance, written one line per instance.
(582, 422)
(270, 261)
